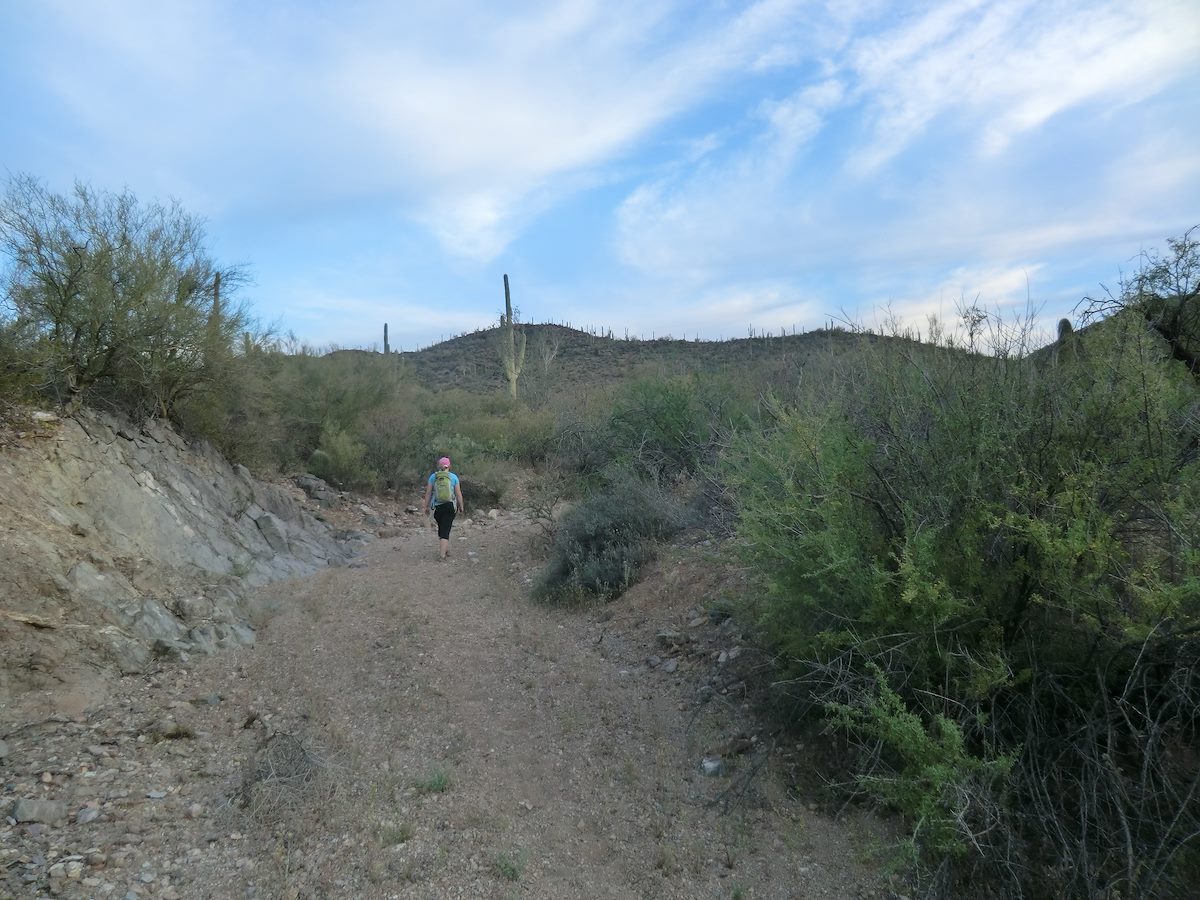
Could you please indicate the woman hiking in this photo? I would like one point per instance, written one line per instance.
(443, 497)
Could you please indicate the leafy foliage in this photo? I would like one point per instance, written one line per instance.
(967, 556)
(341, 460)
(114, 302)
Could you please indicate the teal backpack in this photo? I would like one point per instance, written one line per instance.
(443, 488)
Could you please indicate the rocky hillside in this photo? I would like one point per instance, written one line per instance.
(120, 543)
(560, 359)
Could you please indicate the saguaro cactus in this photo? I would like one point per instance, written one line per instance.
(213, 335)
(385, 342)
(1066, 348)
(511, 345)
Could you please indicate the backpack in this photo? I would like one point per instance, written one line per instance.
(443, 488)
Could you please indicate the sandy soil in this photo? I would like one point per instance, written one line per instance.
(409, 727)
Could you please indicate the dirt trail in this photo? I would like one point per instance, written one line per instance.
(418, 728)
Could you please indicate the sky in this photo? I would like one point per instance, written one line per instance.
(651, 168)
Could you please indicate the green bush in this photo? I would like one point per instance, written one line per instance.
(486, 481)
(937, 783)
(341, 461)
(601, 545)
(118, 301)
(659, 426)
(972, 559)
(386, 436)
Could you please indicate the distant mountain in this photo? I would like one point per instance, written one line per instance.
(560, 359)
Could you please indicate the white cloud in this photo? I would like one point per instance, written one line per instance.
(812, 189)
(789, 142)
(1005, 68)
(538, 105)
(997, 288)
(475, 116)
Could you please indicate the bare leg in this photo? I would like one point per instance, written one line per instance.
(444, 546)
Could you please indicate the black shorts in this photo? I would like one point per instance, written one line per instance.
(443, 514)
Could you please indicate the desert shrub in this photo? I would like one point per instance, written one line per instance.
(341, 388)
(1165, 292)
(663, 427)
(602, 543)
(528, 435)
(17, 380)
(384, 435)
(659, 426)
(341, 460)
(495, 424)
(119, 301)
(985, 567)
(486, 481)
(239, 413)
(578, 443)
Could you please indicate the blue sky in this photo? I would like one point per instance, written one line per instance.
(693, 169)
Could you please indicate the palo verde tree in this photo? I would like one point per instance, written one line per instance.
(117, 301)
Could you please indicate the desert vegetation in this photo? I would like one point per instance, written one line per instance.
(976, 554)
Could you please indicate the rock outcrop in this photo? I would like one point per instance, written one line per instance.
(120, 543)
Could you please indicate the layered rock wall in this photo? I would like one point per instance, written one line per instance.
(121, 543)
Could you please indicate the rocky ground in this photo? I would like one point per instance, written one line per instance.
(407, 727)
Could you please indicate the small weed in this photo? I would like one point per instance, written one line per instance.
(665, 860)
(436, 782)
(738, 894)
(392, 835)
(509, 866)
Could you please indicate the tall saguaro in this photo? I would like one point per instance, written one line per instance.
(511, 343)
(385, 340)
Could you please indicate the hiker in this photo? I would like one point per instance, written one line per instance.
(443, 497)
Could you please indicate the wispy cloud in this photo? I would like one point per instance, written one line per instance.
(1006, 68)
(907, 151)
(759, 162)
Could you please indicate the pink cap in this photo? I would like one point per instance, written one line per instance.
(444, 462)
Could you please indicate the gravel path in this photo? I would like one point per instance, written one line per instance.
(415, 728)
